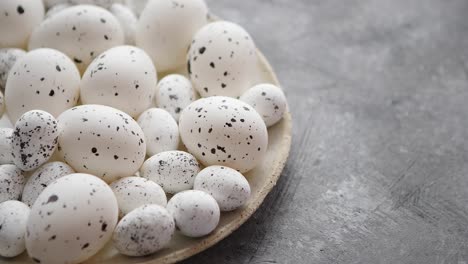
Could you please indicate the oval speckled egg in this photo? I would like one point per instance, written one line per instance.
(221, 60)
(13, 218)
(102, 141)
(174, 171)
(196, 213)
(17, 20)
(174, 92)
(11, 182)
(133, 192)
(41, 178)
(166, 28)
(224, 131)
(43, 79)
(127, 20)
(160, 129)
(5, 146)
(229, 188)
(8, 57)
(144, 231)
(268, 100)
(82, 32)
(123, 77)
(34, 139)
(71, 220)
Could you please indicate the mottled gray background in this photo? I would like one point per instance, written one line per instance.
(378, 169)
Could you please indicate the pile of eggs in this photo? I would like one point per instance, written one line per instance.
(99, 149)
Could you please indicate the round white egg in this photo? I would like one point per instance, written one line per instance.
(174, 171)
(5, 146)
(102, 141)
(224, 131)
(160, 129)
(165, 30)
(8, 57)
(196, 213)
(144, 231)
(13, 218)
(133, 192)
(123, 77)
(11, 182)
(71, 220)
(222, 60)
(41, 178)
(127, 20)
(82, 32)
(43, 79)
(17, 20)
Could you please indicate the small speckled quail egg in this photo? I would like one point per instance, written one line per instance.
(34, 139)
(42, 177)
(11, 182)
(8, 57)
(103, 3)
(144, 231)
(17, 20)
(82, 32)
(229, 188)
(132, 192)
(268, 100)
(136, 5)
(127, 20)
(43, 79)
(224, 131)
(160, 129)
(196, 213)
(221, 60)
(102, 141)
(175, 171)
(5, 146)
(166, 28)
(123, 77)
(174, 92)
(55, 9)
(13, 218)
(71, 220)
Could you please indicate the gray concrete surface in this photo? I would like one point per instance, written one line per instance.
(378, 171)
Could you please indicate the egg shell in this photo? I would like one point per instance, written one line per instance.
(103, 3)
(127, 20)
(224, 131)
(43, 79)
(2, 104)
(174, 92)
(133, 192)
(11, 182)
(42, 177)
(174, 171)
(144, 231)
(8, 57)
(221, 60)
(268, 100)
(71, 220)
(165, 30)
(5, 146)
(102, 141)
(82, 32)
(160, 129)
(123, 77)
(196, 213)
(13, 217)
(56, 9)
(17, 20)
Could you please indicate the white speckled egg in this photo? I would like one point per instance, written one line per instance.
(82, 32)
(41, 178)
(123, 77)
(229, 188)
(127, 20)
(221, 60)
(34, 139)
(13, 218)
(132, 192)
(71, 220)
(166, 28)
(5, 146)
(43, 79)
(224, 131)
(268, 100)
(56, 9)
(175, 170)
(8, 57)
(102, 141)
(196, 213)
(174, 92)
(160, 129)
(17, 20)
(11, 182)
(103, 3)
(144, 231)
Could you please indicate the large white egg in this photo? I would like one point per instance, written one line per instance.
(8, 57)
(160, 129)
(13, 218)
